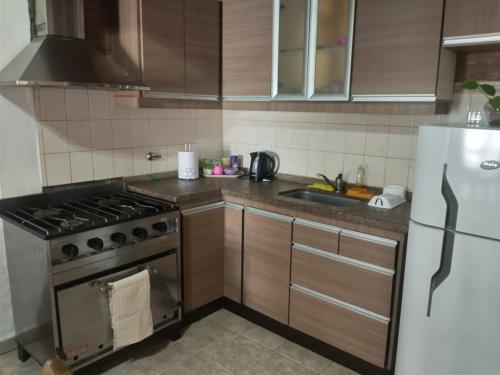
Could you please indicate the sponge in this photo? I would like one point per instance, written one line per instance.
(359, 192)
(320, 186)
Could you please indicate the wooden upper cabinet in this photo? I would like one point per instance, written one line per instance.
(202, 47)
(471, 17)
(163, 45)
(247, 47)
(397, 51)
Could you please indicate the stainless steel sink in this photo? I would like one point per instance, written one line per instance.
(319, 197)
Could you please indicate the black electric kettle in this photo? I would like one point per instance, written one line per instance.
(263, 166)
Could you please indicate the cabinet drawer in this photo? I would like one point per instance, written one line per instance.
(319, 236)
(367, 248)
(343, 280)
(338, 325)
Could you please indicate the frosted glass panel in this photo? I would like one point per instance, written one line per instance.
(331, 46)
(292, 42)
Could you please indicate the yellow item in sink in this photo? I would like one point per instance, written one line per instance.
(359, 192)
(320, 186)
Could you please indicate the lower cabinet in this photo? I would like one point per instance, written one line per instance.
(203, 255)
(339, 324)
(266, 270)
(233, 251)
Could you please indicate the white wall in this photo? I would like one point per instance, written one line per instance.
(19, 162)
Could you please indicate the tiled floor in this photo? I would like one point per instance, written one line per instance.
(220, 344)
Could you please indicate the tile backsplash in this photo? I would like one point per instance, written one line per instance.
(82, 136)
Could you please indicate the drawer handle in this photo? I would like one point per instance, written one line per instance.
(105, 288)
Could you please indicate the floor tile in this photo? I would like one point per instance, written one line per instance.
(235, 353)
(303, 356)
(336, 369)
(277, 364)
(231, 320)
(264, 337)
(10, 365)
(202, 333)
(195, 366)
(153, 359)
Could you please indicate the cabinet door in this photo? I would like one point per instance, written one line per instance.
(163, 45)
(202, 46)
(396, 47)
(203, 255)
(233, 251)
(466, 17)
(266, 271)
(247, 47)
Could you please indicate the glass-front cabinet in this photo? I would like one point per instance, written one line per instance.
(312, 45)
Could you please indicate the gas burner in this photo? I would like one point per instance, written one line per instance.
(41, 213)
(68, 224)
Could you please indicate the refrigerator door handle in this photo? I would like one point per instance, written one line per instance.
(448, 239)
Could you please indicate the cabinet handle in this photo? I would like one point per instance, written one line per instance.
(207, 207)
(269, 214)
(448, 239)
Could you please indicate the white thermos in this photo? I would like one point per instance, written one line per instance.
(187, 164)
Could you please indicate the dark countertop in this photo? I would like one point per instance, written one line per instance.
(181, 192)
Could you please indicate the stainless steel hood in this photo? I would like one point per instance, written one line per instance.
(58, 54)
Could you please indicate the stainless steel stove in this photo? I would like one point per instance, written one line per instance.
(63, 247)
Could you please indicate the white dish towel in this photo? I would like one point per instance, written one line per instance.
(130, 308)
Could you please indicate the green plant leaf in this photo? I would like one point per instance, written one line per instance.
(495, 102)
(470, 85)
(488, 90)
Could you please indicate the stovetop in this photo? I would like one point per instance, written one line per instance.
(77, 209)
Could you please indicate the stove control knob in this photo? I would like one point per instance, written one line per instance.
(140, 233)
(119, 238)
(70, 250)
(95, 243)
(161, 227)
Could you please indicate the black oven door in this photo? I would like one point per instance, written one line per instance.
(83, 309)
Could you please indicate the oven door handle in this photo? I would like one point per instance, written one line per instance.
(105, 288)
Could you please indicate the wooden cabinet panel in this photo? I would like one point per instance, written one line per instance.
(347, 282)
(379, 252)
(203, 257)
(247, 47)
(348, 330)
(202, 38)
(233, 246)
(314, 236)
(266, 271)
(466, 17)
(396, 47)
(163, 44)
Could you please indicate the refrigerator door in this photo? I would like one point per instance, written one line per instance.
(461, 335)
(428, 205)
(477, 189)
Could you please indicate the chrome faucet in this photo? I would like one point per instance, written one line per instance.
(327, 180)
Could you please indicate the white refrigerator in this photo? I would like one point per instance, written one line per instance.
(450, 315)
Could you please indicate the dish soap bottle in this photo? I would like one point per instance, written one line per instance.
(360, 177)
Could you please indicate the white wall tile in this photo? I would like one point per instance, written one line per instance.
(122, 133)
(43, 170)
(99, 105)
(118, 113)
(172, 156)
(141, 164)
(375, 170)
(285, 155)
(356, 118)
(299, 136)
(141, 133)
(317, 137)
(377, 139)
(381, 120)
(55, 136)
(58, 168)
(82, 168)
(355, 139)
(299, 162)
(425, 120)
(158, 129)
(123, 162)
(79, 138)
(77, 104)
(414, 142)
(158, 113)
(411, 174)
(396, 172)
(139, 113)
(202, 130)
(315, 163)
(101, 134)
(336, 138)
(160, 165)
(39, 137)
(103, 164)
(459, 106)
(52, 106)
(401, 120)
(284, 135)
(334, 164)
(399, 142)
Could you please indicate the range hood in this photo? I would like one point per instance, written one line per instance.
(59, 55)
